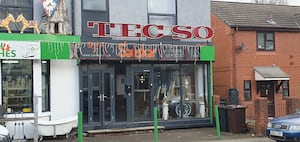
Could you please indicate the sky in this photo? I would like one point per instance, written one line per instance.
(290, 2)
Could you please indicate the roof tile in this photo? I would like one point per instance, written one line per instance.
(257, 15)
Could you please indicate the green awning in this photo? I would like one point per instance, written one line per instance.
(51, 46)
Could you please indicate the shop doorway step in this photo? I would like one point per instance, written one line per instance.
(135, 130)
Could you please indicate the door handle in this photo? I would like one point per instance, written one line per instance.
(102, 97)
(105, 97)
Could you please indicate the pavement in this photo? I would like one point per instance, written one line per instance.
(177, 135)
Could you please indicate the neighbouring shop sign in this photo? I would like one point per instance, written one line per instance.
(19, 50)
(55, 50)
(134, 51)
(151, 31)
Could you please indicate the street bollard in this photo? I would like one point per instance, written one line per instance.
(155, 125)
(217, 122)
(80, 127)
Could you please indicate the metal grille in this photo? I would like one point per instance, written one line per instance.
(279, 126)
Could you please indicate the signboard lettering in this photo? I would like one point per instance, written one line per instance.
(137, 30)
(135, 51)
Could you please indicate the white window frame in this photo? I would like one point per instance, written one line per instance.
(159, 10)
(96, 5)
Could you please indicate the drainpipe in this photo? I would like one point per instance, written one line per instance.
(73, 17)
(234, 71)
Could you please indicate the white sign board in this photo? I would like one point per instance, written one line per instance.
(20, 50)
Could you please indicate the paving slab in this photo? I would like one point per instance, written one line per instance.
(176, 135)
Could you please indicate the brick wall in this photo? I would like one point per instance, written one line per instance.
(222, 67)
(232, 66)
(280, 105)
(286, 56)
(216, 100)
(261, 116)
(292, 104)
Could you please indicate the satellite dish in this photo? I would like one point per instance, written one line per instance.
(243, 47)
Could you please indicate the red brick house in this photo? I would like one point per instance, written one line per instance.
(257, 57)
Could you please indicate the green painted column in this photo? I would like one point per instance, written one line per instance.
(155, 125)
(207, 53)
(211, 93)
(217, 122)
(80, 139)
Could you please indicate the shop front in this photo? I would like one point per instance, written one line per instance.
(121, 83)
(33, 69)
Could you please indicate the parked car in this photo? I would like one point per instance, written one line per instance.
(285, 129)
(4, 134)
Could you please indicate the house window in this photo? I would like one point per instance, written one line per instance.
(247, 90)
(162, 13)
(265, 41)
(285, 88)
(16, 7)
(99, 5)
(17, 85)
(45, 86)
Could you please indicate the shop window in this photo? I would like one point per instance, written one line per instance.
(265, 41)
(162, 13)
(285, 88)
(183, 90)
(45, 86)
(247, 90)
(189, 101)
(99, 5)
(167, 80)
(16, 7)
(17, 85)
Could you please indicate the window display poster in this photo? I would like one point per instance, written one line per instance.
(19, 50)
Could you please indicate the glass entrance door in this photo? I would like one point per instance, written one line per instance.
(98, 109)
(141, 101)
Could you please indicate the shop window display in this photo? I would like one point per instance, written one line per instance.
(17, 85)
(45, 86)
(180, 93)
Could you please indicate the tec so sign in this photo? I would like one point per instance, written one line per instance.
(137, 30)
